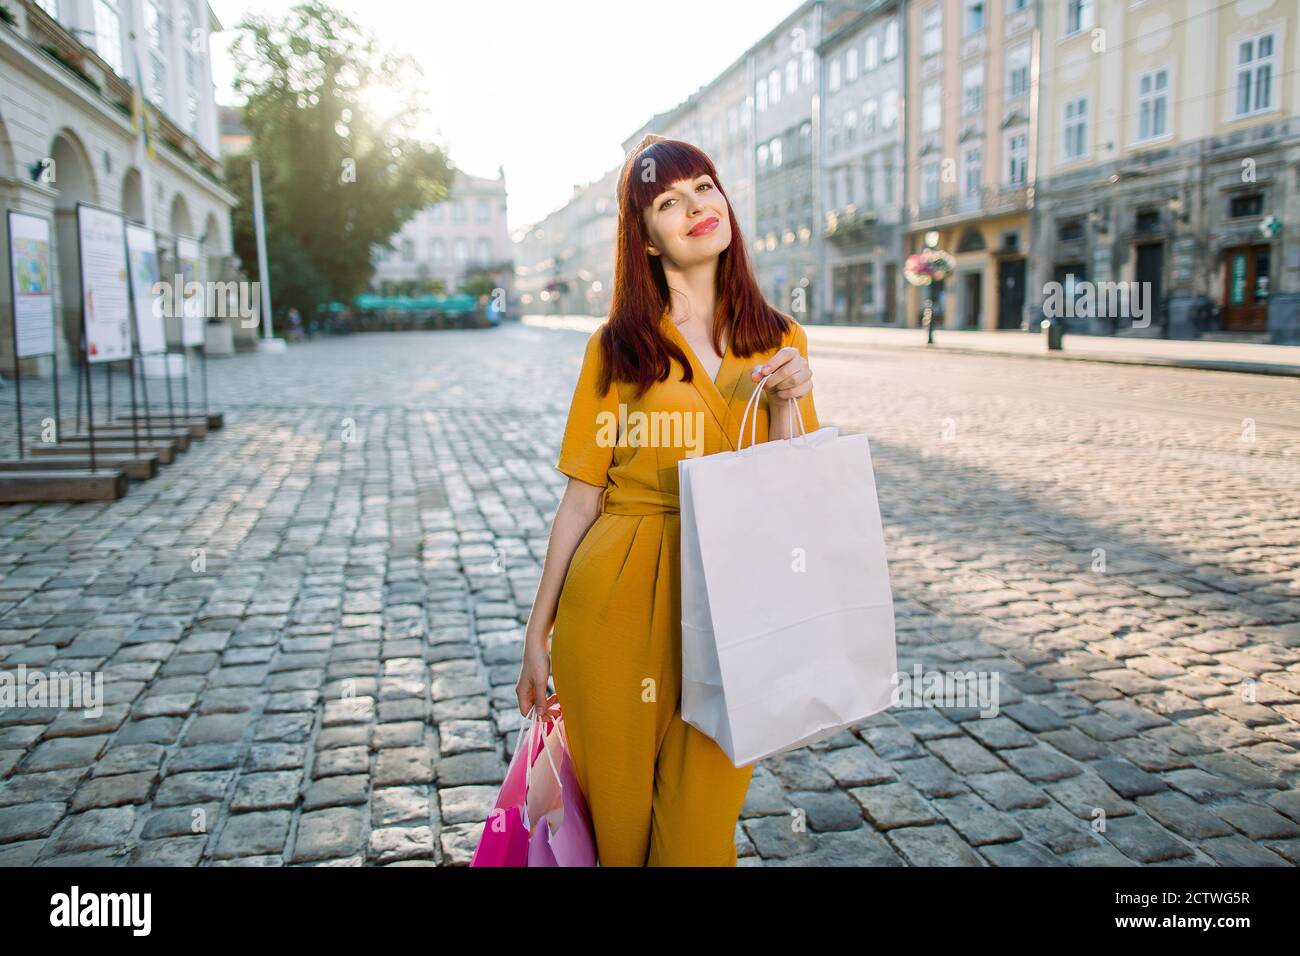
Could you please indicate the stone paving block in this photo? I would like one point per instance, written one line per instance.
(29, 821)
(937, 845)
(253, 834)
(332, 832)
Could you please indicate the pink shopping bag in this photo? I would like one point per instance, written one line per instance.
(505, 834)
(560, 824)
(539, 819)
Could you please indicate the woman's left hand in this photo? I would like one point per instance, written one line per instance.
(791, 376)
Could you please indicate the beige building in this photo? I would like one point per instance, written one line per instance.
(1170, 156)
(971, 136)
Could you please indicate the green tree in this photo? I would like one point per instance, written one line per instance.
(338, 177)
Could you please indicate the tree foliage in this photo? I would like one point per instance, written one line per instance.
(332, 120)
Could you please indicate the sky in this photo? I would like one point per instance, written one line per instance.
(547, 90)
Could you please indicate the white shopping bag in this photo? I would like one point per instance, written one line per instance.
(787, 613)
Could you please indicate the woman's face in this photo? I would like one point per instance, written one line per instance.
(688, 223)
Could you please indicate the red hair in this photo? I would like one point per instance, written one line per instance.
(633, 347)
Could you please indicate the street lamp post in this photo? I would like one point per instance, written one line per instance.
(928, 267)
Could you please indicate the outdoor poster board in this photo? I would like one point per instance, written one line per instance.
(142, 255)
(31, 282)
(187, 260)
(104, 296)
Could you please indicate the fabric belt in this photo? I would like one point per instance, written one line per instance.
(640, 508)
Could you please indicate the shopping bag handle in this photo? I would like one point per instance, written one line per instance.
(753, 425)
(528, 757)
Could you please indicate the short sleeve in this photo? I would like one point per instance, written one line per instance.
(591, 431)
(806, 407)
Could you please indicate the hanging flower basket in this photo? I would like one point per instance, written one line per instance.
(928, 265)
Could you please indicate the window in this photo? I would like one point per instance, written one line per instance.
(1017, 153)
(762, 157)
(483, 249)
(930, 182)
(889, 109)
(760, 95)
(153, 21)
(1146, 221)
(1078, 15)
(891, 40)
(974, 16)
(776, 151)
(869, 181)
(930, 108)
(851, 64)
(1070, 231)
(869, 113)
(774, 87)
(1240, 207)
(1153, 104)
(889, 173)
(157, 80)
(438, 250)
(1076, 128)
(458, 211)
(806, 67)
(1255, 75)
(868, 283)
(850, 127)
(932, 31)
(408, 250)
(1018, 71)
(834, 80)
(108, 33)
(972, 165)
(460, 250)
(792, 75)
(481, 210)
(872, 57)
(972, 90)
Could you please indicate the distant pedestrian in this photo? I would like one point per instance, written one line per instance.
(295, 324)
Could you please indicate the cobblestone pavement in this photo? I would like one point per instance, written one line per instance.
(309, 644)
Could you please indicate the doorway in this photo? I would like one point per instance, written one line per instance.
(972, 299)
(1011, 293)
(1151, 273)
(1246, 289)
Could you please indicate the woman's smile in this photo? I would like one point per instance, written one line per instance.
(705, 227)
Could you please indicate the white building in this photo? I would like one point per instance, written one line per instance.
(67, 71)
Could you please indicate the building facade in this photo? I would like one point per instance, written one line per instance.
(1045, 144)
(971, 136)
(67, 71)
(862, 169)
(564, 265)
(1170, 158)
(447, 243)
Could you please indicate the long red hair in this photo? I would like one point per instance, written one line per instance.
(634, 348)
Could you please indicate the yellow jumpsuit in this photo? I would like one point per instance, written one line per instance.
(660, 792)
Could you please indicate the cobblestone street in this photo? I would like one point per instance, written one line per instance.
(310, 625)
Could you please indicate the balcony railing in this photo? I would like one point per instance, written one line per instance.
(990, 199)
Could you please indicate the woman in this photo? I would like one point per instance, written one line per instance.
(689, 336)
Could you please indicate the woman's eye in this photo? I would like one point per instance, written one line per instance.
(707, 185)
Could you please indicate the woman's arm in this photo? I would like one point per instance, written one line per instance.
(577, 511)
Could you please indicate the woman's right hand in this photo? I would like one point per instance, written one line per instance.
(534, 673)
